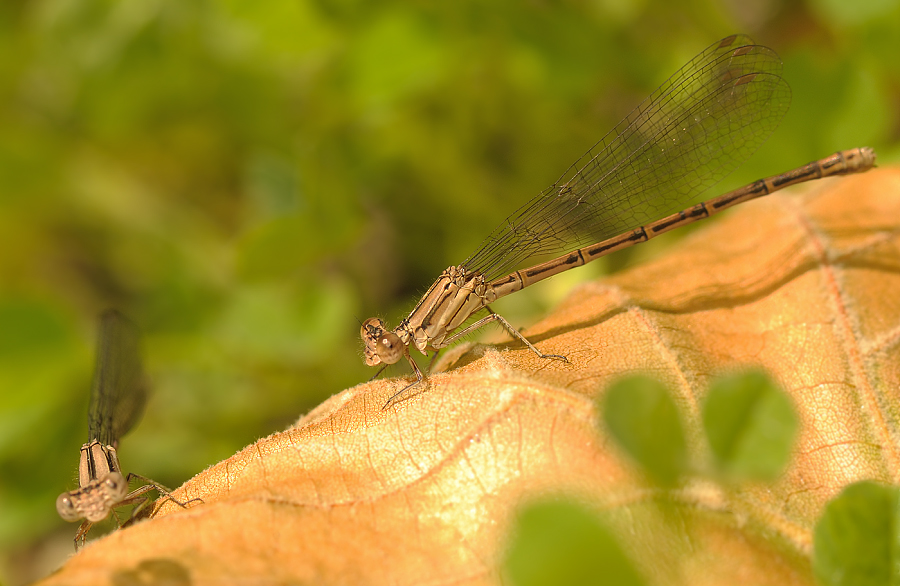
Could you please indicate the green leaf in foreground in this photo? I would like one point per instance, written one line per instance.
(561, 544)
(642, 417)
(751, 426)
(856, 540)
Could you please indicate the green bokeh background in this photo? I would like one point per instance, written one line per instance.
(247, 180)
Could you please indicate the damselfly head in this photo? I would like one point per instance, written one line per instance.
(93, 501)
(381, 345)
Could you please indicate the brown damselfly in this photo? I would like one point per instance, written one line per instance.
(697, 127)
(118, 395)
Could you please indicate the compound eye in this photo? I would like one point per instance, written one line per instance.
(66, 508)
(389, 347)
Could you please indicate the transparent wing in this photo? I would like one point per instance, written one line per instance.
(697, 127)
(119, 390)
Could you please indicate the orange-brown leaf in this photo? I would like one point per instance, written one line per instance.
(422, 493)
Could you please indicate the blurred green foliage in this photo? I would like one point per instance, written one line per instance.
(749, 423)
(751, 426)
(563, 543)
(857, 539)
(640, 414)
(246, 180)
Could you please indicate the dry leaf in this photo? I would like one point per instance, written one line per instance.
(804, 285)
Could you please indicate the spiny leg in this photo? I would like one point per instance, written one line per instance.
(472, 327)
(419, 378)
(497, 317)
(137, 496)
(82, 533)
